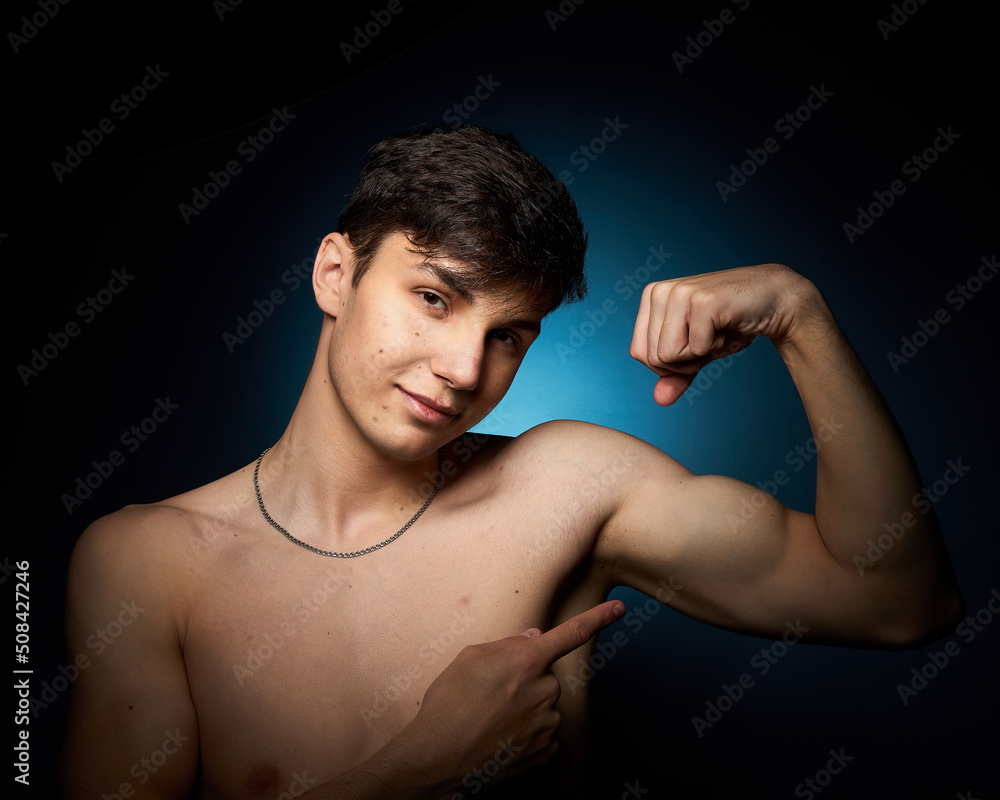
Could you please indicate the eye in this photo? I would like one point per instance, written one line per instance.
(433, 299)
(504, 337)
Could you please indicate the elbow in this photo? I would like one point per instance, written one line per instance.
(932, 620)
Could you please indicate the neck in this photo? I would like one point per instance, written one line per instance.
(329, 486)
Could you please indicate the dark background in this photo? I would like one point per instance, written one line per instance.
(655, 185)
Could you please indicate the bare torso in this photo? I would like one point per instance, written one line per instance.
(301, 666)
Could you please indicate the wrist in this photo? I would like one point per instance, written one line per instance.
(410, 770)
(810, 324)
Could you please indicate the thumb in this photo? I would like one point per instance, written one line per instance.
(669, 387)
(531, 633)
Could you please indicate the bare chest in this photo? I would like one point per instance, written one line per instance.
(302, 666)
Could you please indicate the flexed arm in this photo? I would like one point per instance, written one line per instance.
(755, 571)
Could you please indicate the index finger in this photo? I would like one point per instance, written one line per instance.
(565, 638)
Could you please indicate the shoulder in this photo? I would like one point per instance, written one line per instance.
(548, 444)
(131, 553)
(130, 530)
(565, 436)
(567, 455)
(156, 547)
(591, 449)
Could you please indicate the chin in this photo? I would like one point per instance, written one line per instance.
(414, 445)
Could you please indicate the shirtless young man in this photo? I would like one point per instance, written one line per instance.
(258, 668)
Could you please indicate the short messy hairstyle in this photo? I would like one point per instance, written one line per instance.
(475, 196)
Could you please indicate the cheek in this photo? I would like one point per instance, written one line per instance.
(498, 374)
(355, 353)
(375, 342)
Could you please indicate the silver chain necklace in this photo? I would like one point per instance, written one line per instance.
(332, 553)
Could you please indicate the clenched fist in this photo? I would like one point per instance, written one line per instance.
(685, 323)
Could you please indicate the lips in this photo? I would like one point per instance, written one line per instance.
(428, 408)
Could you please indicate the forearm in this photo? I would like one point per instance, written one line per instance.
(396, 771)
(866, 477)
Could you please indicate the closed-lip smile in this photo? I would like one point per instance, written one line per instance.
(437, 409)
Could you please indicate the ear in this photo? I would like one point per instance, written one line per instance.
(332, 273)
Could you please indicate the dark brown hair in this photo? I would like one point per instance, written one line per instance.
(475, 196)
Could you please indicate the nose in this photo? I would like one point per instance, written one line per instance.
(459, 360)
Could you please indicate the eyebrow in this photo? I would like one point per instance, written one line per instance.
(455, 280)
(459, 282)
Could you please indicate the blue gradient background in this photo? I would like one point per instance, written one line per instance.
(654, 186)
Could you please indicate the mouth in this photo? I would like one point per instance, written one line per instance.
(427, 408)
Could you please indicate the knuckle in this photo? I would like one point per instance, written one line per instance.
(524, 660)
(701, 299)
(682, 290)
(581, 633)
(698, 343)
